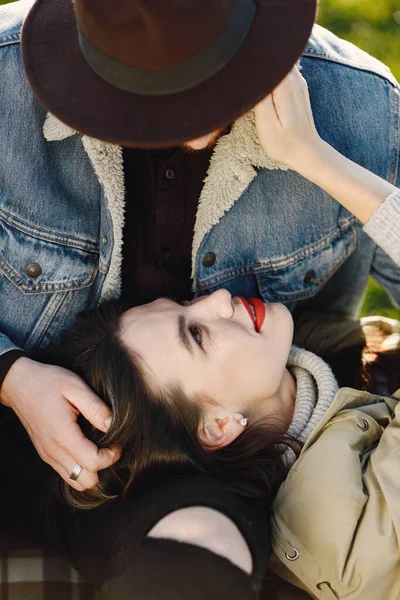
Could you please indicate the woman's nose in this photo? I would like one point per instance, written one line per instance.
(220, 302)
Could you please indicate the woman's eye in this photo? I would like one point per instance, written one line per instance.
(196, 334)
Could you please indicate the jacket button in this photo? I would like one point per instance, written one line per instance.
(309, 276)
(33, 270)
(208, 259)
(294, 556)
(363, 424)
(105, 240)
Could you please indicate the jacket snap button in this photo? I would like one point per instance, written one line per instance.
(208, 259)
(293, 556)
(363, 424)
(33, 270)
(105, 240)
(309, 276)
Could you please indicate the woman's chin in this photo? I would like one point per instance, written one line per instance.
(278, 319)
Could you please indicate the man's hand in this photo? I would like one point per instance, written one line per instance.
(48, 401)
(285, 123)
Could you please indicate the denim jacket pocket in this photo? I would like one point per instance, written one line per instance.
(39, 278)
(303, 273)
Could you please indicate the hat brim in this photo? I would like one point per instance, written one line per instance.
(66, 86)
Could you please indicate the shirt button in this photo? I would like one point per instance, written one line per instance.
(33, 270)
(309, 276)
(170, 174)
(105, 240)
(208, 259)
(167, 254)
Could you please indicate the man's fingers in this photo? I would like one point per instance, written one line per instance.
(86, 479)
(91, 407)
(74, 443)
(65, 475)
(87, 456)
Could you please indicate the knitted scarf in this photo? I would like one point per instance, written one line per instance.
(316, 389)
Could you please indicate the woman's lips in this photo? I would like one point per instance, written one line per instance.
(258, 316)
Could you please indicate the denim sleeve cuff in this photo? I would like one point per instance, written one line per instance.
(384, 226)
(6, 362)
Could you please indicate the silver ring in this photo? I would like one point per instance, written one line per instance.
(76, 471)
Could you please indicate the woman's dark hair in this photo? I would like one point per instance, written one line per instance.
(157, 431)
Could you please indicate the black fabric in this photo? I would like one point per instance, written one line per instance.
(28, 489)
(6, 362)
(103, 543)
(167, 570)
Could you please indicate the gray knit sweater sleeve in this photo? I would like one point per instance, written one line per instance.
(384, 226)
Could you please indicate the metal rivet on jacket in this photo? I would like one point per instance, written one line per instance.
(33, 270)
(293, 556)
(363, 424)
(309, 276)
(209, 259)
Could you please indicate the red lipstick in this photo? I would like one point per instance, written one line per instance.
(258, 316)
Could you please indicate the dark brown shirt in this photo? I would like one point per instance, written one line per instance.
(163, 188)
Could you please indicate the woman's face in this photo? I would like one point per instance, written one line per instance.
(212, 348)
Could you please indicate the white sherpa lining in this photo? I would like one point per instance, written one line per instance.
(232, 168)
(107, 163)
(55, 130)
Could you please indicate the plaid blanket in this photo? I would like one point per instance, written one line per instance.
(33, 575)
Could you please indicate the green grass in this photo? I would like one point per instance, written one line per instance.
(374, 25)
(378, 302)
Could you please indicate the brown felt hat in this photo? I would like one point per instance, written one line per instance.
(150, 73)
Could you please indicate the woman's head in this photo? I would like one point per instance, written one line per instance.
(216, 354)
(178, 380)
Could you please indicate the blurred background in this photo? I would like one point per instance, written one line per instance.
(374, 26)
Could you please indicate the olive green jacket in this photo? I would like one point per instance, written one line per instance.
(336, 518)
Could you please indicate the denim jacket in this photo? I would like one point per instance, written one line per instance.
(261, 230)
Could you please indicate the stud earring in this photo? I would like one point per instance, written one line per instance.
(243, 422)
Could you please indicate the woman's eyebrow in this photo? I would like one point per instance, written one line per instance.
(182, 334)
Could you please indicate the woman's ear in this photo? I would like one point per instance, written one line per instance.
(219, 432)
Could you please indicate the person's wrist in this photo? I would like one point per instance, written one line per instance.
(306, 155)
(11, 381)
